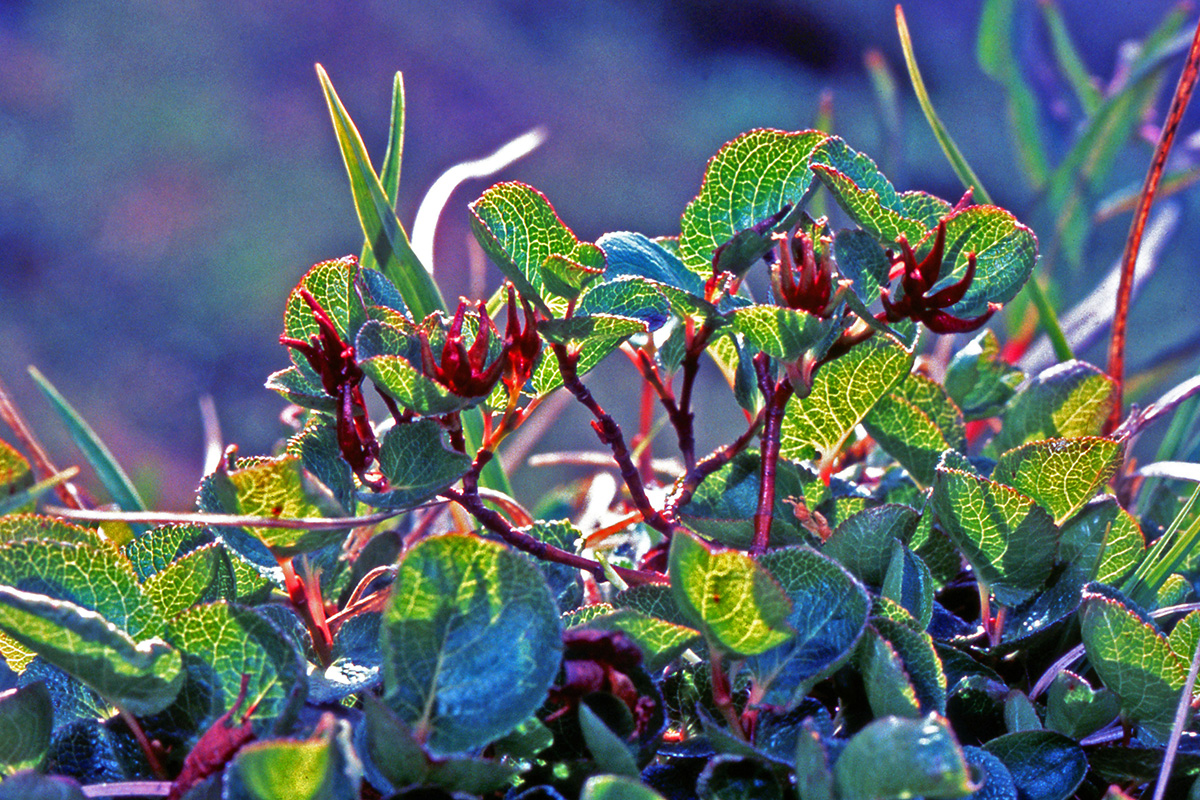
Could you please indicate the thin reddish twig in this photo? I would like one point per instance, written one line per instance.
(1116, 349)
(41, 461)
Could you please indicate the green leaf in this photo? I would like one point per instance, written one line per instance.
(598, 327)
(634, 298)
(889, 690)
(979, 380)
(331, 284)
(1065, 401)
(917, 657)
(98, 456)
(910, 584)
(1008, 539)
(843, 392)
(14, 527)
(1005, 254)
(1044, 765)
(1104, 534)
(222, 641)
(901, 758)
(782, 333)
(390, 745)
(995, 52)
(748, 182)
(1133, 658)
(140, 677)
(1019, 713)
(317, 446)
(610, 753)
(301, 388)
(814, 778)
(735, 601)
(925, 208)
(281, 488)
(471, 641)
(26, 718)
(417, 465)
(829, 613)
(1061, 474)
(520, 231)
(546, 375)
(385, 354)
(660, 641)
(633, 255)
(863, 192)
(1075, 709)
(724, 503)
(202, 576)
(29, 785)
(651, 599)
(15, 472)
(320, 768)
(863, 542)
(617, 787)
(386, 236)
(862, 259)
(915, 423)
(1070, 62)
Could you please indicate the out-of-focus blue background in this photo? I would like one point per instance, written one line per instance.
(168, 169)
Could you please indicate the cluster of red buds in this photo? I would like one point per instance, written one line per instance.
(341, 377)
(918, 277)
(802, 278)
(465, 371)
(600, 661)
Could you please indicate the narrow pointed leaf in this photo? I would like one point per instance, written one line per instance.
(386, 236)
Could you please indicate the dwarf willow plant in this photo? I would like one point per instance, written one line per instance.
(899, 578)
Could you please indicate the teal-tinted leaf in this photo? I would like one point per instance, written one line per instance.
(843, 392)
(993, 780)
(1019, 713)
(863, 192)
(320, 768)
(814, 777)
(384, 234)
(861, 259)
(748, 182)
(519, 230)
(301, 388)
(599, 327)
(1009, 540)
(282, 488)
(565, 277)
(627, 297)
(862, 543)
(1061, 474)
(1068, 400)
(471, 641)
(417, 465)
(660, 641)
(141, 677)
(546, 375)
(919, 659)
(526, 740)
(317, 446)
(1133, 658)
(903, 758)
(652, 599)
(910, 584)
(25, 722)
(1005, 253)
(633, 255)
(782, 333)
(734, 600)
(390, 746)
(1075, 709)
(355, 661)
(889, 690)
(979, 380)
(390, 356)
(617, 787)
(915, 423)
(924, 208)
(1044, 765)
(829, 612)
(154, 550)
(221, 642)
(607, 749)
(97, 454)
(30, 785)
(731, 777)
(202, 576)
(380, 296)
(724, 503)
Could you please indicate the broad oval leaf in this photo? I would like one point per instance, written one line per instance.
(748, 182)
(1044, 765)
(1068, 400)
(726, 594)
(1133, 658)
(1061, 474)
(471, 641)
(916, 422)
(1005, 254)
(417, 465)
(978, 378)
(332, 286)
(864, 193)
(829, 613)
(1009, 540)
(26, 719)
(902, 758)
(862, 543)
(782, 333)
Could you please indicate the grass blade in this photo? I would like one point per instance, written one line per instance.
(97, 454)
(1046, 314)
(31, 493)
(995, 53)
(386, 236)
(1069, 61)
(389, 173)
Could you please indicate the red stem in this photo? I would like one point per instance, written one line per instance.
(1116, 349)
(710, 464)
(685, 419)
(776, 395)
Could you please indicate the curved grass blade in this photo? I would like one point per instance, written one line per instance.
(388, 241)
(1069, 60)
(389, 172)
(97, 454)
(30, 494)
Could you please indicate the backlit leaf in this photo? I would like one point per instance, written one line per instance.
(1061, 474)
(1005, 253)
(1068, 400)
(782, 333)
(417, 464)
(978, 379)
(863, 192)
(915, 423)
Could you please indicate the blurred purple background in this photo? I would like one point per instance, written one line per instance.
(168, 169)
